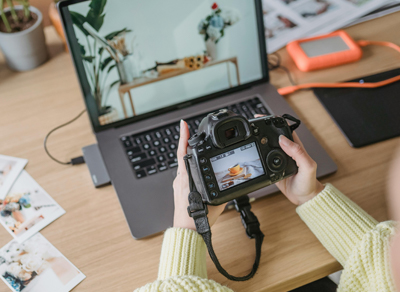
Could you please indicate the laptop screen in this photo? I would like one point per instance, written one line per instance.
(138, 58)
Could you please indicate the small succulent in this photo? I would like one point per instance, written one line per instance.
(27, 13)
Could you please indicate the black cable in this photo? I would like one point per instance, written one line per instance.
(74, 161)
(274, 62)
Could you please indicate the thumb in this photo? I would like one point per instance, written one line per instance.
(182, 146)
(297, 152)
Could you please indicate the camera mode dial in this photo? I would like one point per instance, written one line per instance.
(196, 138)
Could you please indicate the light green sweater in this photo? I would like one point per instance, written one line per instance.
(353, 237)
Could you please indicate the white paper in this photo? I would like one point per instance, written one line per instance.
(27, 208)
(10, 168)
(391, 7)
(37, 266)
(288, 20)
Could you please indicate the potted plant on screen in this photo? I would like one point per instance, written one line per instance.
(100, 55)
(214, 29)
(22, 38)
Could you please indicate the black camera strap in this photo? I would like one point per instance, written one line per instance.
(198, 211)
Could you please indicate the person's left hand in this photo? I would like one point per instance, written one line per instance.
(181, 188)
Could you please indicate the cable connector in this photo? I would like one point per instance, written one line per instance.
(77, 160)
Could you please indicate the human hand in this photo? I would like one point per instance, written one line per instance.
(304, 185)
(181, 188)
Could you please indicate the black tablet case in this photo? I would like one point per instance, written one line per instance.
(365, 116)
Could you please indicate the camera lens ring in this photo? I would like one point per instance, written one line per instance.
(276, 160)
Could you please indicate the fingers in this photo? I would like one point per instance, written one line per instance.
(297, 152)
(258, 116)
(297, 139)
(182, 146)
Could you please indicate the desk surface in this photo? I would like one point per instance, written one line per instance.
(93, 233)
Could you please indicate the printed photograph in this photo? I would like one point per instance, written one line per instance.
(314, 8)
(237, 166)
(10, 168)
(37, 266)
(277, 25)
(358, 2)
(192, 52)
(267, 9)
(288, 1)
(27, 208)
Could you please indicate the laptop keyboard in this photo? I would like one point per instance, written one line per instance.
(155, 151)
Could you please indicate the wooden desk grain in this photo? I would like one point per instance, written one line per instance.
(93, 233)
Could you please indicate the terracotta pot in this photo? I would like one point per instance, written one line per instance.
(56, 21)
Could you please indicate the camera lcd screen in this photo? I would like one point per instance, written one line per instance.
(237, 166)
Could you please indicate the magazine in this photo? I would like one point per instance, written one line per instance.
(288, 20)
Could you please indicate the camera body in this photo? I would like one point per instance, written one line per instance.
(231, 156)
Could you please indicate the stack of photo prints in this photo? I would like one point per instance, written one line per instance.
(30, 263)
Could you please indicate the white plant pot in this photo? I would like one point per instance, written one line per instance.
(26, 49)
(219, 51)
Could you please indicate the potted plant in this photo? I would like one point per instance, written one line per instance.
(214, 26)
(22, 38)
(101, 55)
(56, 21)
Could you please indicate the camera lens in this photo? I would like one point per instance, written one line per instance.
(276, 160)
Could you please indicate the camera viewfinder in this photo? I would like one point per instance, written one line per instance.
(231, 133)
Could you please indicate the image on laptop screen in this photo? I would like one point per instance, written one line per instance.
(142, 56)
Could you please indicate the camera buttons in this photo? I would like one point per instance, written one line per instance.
(206, 169)
(208, 147)
(203, 160)
(268, 122)
(208, 177)
(200, 150)
(211, 185)
(264, 140)
(256, 130)
(214, 193)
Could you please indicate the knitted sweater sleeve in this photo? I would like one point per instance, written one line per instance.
(183, 264)
(183, 253)
(353, 237)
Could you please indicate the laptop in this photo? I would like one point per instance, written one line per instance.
(144, 65)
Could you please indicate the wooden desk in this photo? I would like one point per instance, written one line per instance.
(93, 233)
(126, 88)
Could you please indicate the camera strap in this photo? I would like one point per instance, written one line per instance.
(198, 211)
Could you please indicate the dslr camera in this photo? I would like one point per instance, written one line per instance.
(231, 156)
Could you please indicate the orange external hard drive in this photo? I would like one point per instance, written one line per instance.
(324, 51)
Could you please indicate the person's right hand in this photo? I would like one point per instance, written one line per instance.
(304, 185)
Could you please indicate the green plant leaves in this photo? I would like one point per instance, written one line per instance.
(105, 63)
(112, 35)
(97, 6)
(95, 16)
(88, 58)
(78, 19)
(110, 68)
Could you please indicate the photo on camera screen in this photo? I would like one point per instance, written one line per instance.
(142, 56)
(237, 166)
